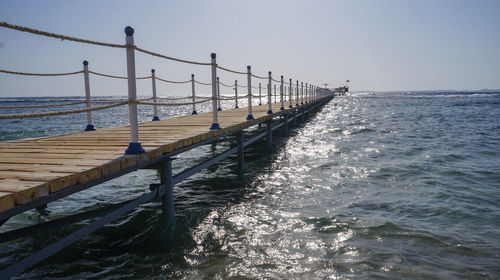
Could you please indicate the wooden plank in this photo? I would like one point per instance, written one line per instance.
(23, 191)
(6, 201)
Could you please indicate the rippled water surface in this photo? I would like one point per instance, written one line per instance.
(382, 185)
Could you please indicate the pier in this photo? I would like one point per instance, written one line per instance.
(36, 172)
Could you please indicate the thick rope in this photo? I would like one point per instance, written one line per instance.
(170, 104)
(232, 71)
(172, 82)
(117, 77)
(205, 84)
(40, 74)
(42, 106)
(59, 113)
(57, 36)
(230, 86)
(169, 57)
(174, 98)
(259, 77)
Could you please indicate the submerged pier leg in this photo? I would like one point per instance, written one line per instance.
(167, 199)
(241, 153)
(269, 133)
(285, 124)
(295, 118)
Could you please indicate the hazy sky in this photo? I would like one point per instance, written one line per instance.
(378, 45)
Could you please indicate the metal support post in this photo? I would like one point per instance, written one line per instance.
(241, 153)
(86, 80)
(301, 93)
(215, 116)
(290, 94)
(275, 93)
(218, 95)
(281, 95)
(236, 94)
(305, 101)
(155, 108)
(193, 95)
(134, 146)
(285, 125)
(249, 86)
(297, 94)
(260, 94)
(269, 133)
(269, 93)
(167, 198)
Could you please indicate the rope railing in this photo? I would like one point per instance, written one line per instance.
(117, 77)
(172, 82)
(169, 57)
(42, 106)
(57, 36)
(59, 113)
(171, 104)
(132, 101)
(232, 71)
(229, 86)
(40, 74)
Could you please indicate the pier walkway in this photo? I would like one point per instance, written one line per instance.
(35, 172)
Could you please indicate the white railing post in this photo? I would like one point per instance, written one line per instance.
(215, 117)
(297, 94)
(86, 81)
(134, 146)
(281, 95)
(260, 94)
(290, 94)
(249, 85)
(193, 95)
(155, 107)
(274, 93)
(218, 95)
(301, 93)
(269, 93)
(306, 93)
(236, 94)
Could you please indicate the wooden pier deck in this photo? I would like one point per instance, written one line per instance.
(33, 168)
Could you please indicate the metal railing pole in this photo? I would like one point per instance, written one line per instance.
(155, 107)
(269, 100)
(260, 94)
(290, 94)
(301, 93)
(134, 146)
(218, 95)
(297, 94)
(86, 80)
(193, 95)
(249, 85)
(215, 117)
(281, 95)
(236, 94)
(274, 93)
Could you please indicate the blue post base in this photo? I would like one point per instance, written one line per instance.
(155, 118)
(270, 112)
(260, 104)
(250, 117)
(215, 126)
(236, 107)
(290, 106)
(134, 149)
(282, 108)
(194, 113)
(90, 127)
(219, 109)
(297, 105)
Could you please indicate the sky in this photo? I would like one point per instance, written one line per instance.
(385, 45)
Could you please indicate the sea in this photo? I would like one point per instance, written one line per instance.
(375, 185)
